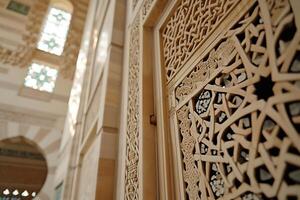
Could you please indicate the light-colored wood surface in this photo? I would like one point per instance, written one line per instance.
(234, 98)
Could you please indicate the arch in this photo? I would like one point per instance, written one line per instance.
(63, 5)
(47, 140)
(23, 168)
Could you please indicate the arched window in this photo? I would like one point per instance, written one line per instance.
(56, 27)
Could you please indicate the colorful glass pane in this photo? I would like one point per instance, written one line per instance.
(18, 7)
(55, 31)
(41, 77)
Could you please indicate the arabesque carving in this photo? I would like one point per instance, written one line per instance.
(134, 3)
(192, 22)
(72, 46)
(238, 110)
(23, 54)
(133, 115)
(146, 7)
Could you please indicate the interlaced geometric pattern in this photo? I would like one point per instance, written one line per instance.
(133, 116)
(238, 110)
(146, 8)
(192, 22)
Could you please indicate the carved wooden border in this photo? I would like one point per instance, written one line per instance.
(132, 162)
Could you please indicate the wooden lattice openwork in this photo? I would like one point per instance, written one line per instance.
(190, 25)
(237, 109)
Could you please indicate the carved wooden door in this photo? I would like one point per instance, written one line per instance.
(232, 71)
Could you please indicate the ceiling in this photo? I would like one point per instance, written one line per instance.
(19, 33)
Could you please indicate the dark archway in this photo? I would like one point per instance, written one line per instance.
(23, 169)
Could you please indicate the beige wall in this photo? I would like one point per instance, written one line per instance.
(92, 150)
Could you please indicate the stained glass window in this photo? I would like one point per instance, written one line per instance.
(54, 34)
(18, 7)
(41, 77)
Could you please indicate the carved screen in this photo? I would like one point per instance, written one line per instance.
(237, 110)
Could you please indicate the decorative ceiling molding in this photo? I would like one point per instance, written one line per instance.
(26, 51)
(22, 56)
(38, 94)
(26, 116)
(20, 154)
(72, 46)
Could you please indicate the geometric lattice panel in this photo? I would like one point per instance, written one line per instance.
(238, 110)
(189, 26)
